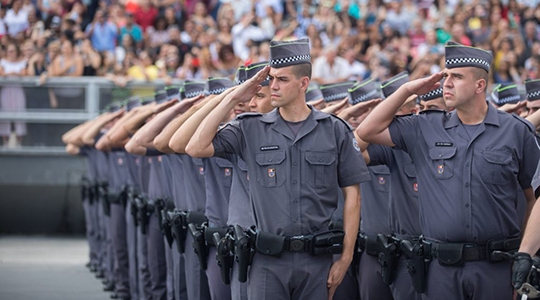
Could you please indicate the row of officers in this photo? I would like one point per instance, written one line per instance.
(241, 190)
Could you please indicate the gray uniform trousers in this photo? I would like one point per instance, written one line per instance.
(476, 280)
(238, 289)
(157, 263)
(348, 289)
(170, 269)
(293, 275)
(402, 288)
(91, 230)
(370, 280)
(218, 290)
(131, 231)
(107, 257)
(196, 281)
(180, 291)
(145, 285)
(119, 241)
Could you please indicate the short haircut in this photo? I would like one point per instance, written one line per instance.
(480, 74)
(302, 70)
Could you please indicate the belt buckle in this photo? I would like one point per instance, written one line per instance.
(296, 244)
(471, 252)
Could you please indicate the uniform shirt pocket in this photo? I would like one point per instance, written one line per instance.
(410, 172)
(382, 175)
(320, 170)
(271, 169)
(226, 168)
(497, 167)
(442, 164)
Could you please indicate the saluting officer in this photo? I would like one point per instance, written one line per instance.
(296, 157)
(470, 165)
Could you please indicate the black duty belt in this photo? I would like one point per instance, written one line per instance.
(457, 253)
(327, 242)
(368, 244)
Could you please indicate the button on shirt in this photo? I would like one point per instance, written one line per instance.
(288, 198)
(468, 185)
(375, 195)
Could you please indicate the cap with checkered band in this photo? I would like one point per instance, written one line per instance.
(194, 88)
(532, 87)
(253, 69)
(458, 56)
(389, 86)
(289, 53)
(363, 91)
(173, 92)
(218, 85)
(505, 93)
(313, 93)
(434, 94)
(336, 91)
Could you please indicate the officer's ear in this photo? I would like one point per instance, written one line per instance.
(481, 77)
(304, 83)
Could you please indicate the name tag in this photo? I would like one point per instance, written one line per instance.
(268, 148)
(444, 144)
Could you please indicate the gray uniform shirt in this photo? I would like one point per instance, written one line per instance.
(102, 166)
(178, 187)
(294, 181)
(468, 185)
(158, 185)
(91, 154)
(118, 171)
(194, 183)
(218, 179)
(403, 209)
(240, 209)
(375, 197)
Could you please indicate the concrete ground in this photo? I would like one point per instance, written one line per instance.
(46, 268)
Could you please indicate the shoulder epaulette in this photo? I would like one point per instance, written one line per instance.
(524, 121)
(248, 115)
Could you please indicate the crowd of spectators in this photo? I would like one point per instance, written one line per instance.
(125, 40)
(350, 39)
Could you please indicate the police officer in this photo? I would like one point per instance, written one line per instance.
(403, 197)
(296, 158)
(432, 100)
(470, 165)
(532, 87)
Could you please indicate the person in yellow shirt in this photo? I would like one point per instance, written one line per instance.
(142, 68)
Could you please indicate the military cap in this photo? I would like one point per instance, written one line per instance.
(194, 88)
(434, 94)
(458, 56)
(289, 53)
(532, 87)
(182, 91)
(391, 85)
(113, 107)
(363, 91)
(336, 91)
(218, 85)
(160, 96)
(133, 102)
(147, 100)
(505, 93)
(313, 93)
(173, 92)
(253, 69)
(240, 75)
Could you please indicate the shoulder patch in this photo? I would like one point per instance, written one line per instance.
(248, 115)
(524, 121)
(343, 121)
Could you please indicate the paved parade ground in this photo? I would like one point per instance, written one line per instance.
(46, 268)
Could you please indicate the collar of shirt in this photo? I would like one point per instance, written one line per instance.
(272, 116)
(492, 118)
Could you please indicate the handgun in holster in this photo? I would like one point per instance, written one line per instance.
(199, 244)
(327, 242)
(161, 212)
(244, 250)
(388, 257)
(134, 209)
(85, 188)
(142, 214)
(104, 195)
(224, 255)
(418, 256)
(177, 221)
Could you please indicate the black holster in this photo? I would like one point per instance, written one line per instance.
(388, 257)
(85, 189)
(134, 209)
(199, 244)
(244, 249)
(418, 259)
(142, 214)
(104, 196)
(224, 256)
(162, 206)
(178, 228)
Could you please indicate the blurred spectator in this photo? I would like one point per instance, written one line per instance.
(12, 97)
(126, 44)
(189, 68)
(145, 14)
(243, 32)
(36, 27)
(227, 62)
(173, 16)
(201, 18)
(102, 33)
(90, 58)
(16, 20)
(357, 70)
(68, 63)
(131, 29)
(157, 33)
(142, 68)
(330, 68)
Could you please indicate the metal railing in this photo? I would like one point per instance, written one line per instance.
(58, 105)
